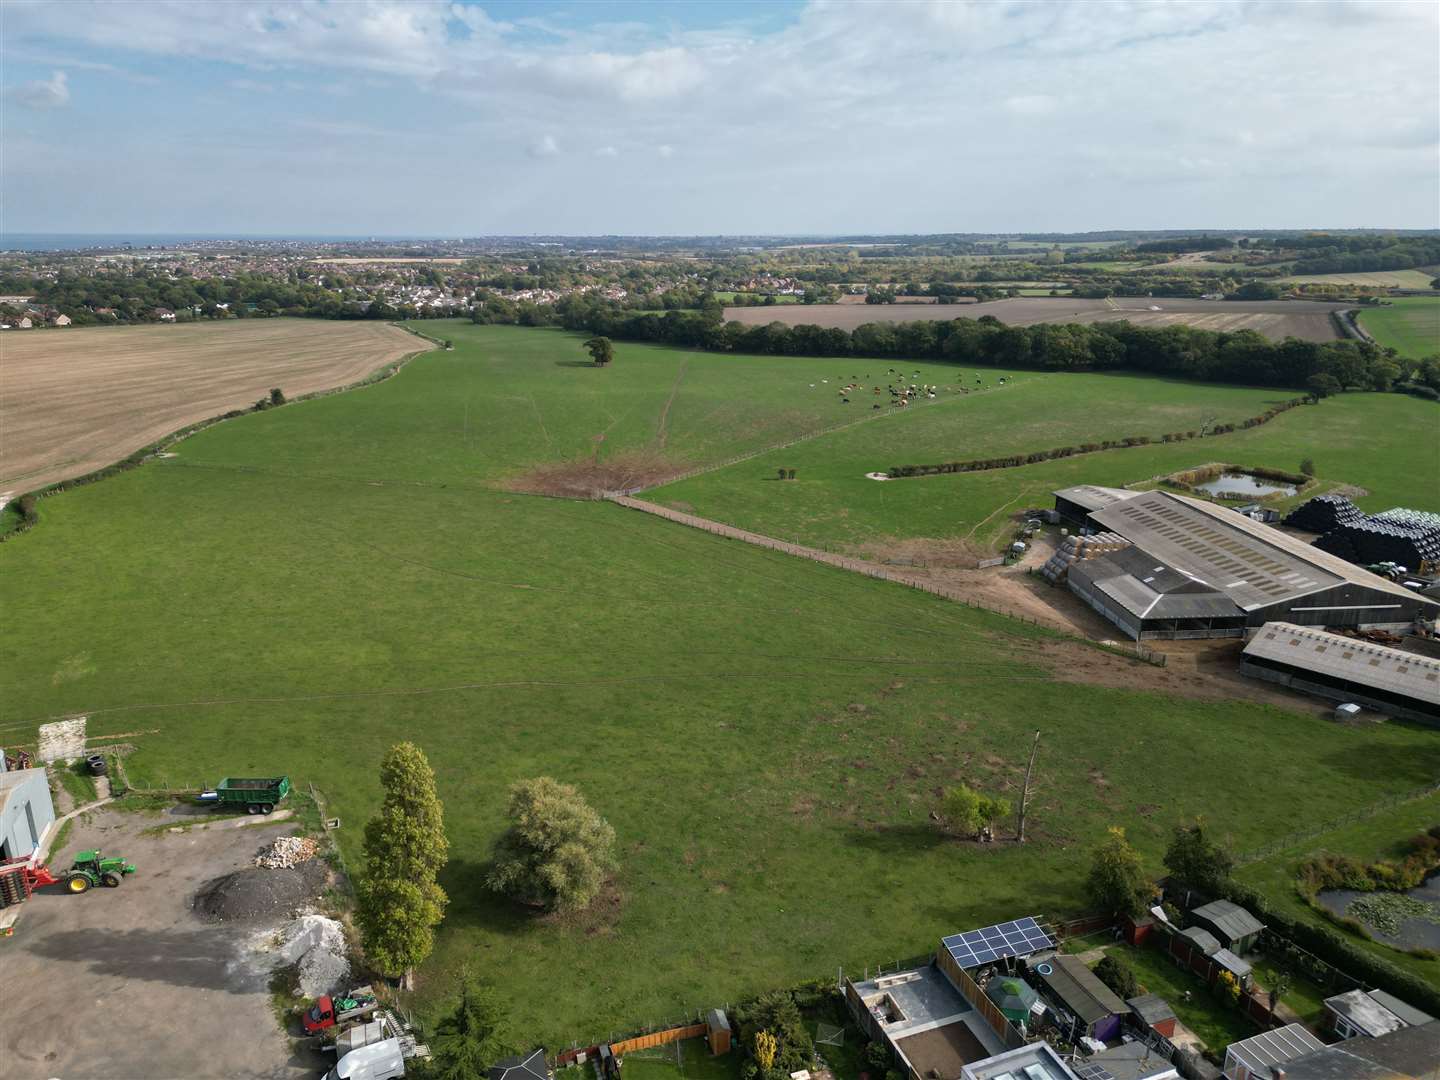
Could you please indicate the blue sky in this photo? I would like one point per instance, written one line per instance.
(389, 118)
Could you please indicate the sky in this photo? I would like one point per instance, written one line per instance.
(378, 117)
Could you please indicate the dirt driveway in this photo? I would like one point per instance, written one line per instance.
(129, 983)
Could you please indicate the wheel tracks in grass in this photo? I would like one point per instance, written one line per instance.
(536, 684)
(662, 432)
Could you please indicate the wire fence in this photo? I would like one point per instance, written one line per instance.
(1299, 836)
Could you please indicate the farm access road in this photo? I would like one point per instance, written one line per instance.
(76, 400)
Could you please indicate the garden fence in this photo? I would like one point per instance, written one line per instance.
(1364, 814)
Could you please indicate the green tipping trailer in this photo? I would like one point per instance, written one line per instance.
(258, 794)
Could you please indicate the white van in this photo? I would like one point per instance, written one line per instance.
(378, 1061)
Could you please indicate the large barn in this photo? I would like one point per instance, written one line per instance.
(1197, 570)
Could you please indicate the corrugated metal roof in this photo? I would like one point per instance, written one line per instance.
(1079, 989)
(1092, 497)
(1255, 565)
(1203, 938)
(1276, 1047)
(1230, 919)
(1346, 658)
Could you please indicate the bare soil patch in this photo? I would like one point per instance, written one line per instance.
(74, 401)
(1276, 319)
(925, 551)
(589, 478)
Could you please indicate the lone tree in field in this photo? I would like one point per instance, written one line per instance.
(473, 1037)
(602, 350)
(967, 812)
(1117, 881)
(400, 902)
(1196, 859)
(557, 851)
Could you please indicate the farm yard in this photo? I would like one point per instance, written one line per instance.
(1276, 319)
(1408, 324)
(77, 400)
(297, 589)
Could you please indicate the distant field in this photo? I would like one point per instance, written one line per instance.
(1276, 319)
(1409, 324)
(76, 400)
(1386, 279)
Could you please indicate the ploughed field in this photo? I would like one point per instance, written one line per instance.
(75, 400)
(299, 588)
(1276, 319)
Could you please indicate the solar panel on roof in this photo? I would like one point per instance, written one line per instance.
(976, 948)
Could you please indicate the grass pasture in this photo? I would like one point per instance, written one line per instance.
(1408, 324)
(76, 400)
(299, 588)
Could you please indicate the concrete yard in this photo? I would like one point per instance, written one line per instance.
(129, 982)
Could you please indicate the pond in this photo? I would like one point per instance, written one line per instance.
(1411, 928)
(1247, 484)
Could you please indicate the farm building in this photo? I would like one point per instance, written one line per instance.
(1371, 1013)
(1198, 570)
(1076, 504)
(1256, 1058)
(1234, 927)
(1387, 680)
(26, 810)
(1083, 1003)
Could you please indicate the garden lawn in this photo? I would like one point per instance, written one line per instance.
(1381, 836)
(1305, 997)
(1408, 324)
(298, 589)
(1387, 443)
(1216, 1024)
(689, 1059)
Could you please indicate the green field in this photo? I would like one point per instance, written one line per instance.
(299, 588)
(1408, 324)
(1372, 440)
(1381, 279)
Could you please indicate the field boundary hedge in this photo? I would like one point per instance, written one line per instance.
(1012, 461)
(145, 453)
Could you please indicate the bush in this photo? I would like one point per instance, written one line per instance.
(1116, 974)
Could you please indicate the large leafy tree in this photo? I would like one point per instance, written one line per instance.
(473, 1037)
(602, 350)
(558, 850)
(1196, 859)
(1117, 881)
(400, 901)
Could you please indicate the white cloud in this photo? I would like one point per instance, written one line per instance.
(666, 150)
(1031, 104)
(607, 152)
(51, 93)
(544, 147)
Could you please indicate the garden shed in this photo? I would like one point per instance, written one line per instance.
(717, 1026)
(1232, 925)
(1153, 1012)
(1074, 989)
(1202, 939)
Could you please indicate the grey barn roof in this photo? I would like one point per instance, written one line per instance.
(1349, 659)
(1230, 919)
(1093, 497)
(1149, 589)
(1254, 565)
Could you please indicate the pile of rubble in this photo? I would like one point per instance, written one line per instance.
(313, 944)
(287, 852)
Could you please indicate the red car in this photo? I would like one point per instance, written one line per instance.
(328, 1011)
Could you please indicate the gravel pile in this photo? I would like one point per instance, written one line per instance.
(287, 852)
(260, 893)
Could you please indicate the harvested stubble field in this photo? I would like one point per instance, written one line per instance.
(1276, 319)
(766, 734)
(74, 401)
(1378, 279)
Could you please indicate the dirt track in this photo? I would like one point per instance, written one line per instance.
(72, 401)
(1276, 319)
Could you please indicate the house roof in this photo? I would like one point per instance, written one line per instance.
(1276, 1047)
(1231, 920)
(1399, 1055)
(1202, 937)
(1151, 1008)
(1129, 1061)
(1375, 1012)
(1346, 658)
(1255, 565)
(1078, 988)
(529, 1066)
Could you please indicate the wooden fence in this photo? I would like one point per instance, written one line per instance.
(1364, 813)
(1003, 1029)
(658, 1038)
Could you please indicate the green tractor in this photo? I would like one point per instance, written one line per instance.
(91, 870)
